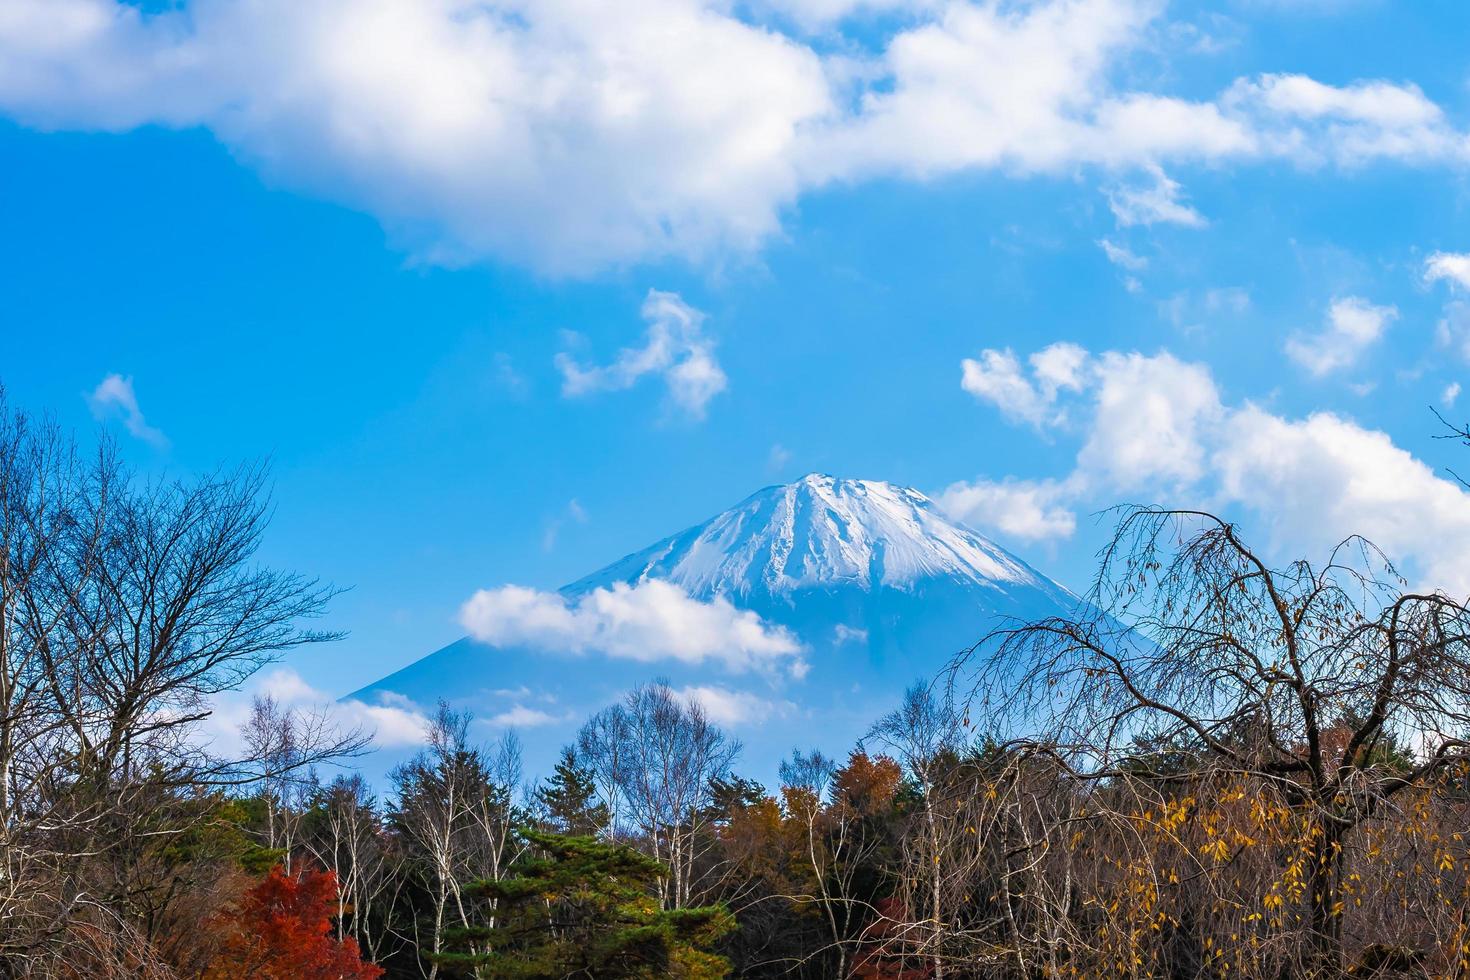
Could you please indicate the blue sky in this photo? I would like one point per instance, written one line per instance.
(379, 243)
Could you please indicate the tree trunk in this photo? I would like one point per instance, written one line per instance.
(1324, 883)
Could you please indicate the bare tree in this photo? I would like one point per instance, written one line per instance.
(1294, 678)
(923, 734)
(455, 810)
(657, 755)
(348, 838)
(125, 607)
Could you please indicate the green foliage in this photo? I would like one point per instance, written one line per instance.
(583, 907)
(570, 798)
(237, 824)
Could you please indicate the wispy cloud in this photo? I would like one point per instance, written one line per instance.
(675, 347)
(392, 719)
(1153, 200)
(114, 398)
(573, 512)
(1024, 509)
(735, 708)
(520, 716)
(1353, 325)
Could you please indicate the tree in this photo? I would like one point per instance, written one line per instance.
(344, 833)
(586, 908)
(455, 814)
(284, 932)
(570, 798)
(924, 732)
(126, 605)
(656, 756)
(842, 816)
(1289, 688)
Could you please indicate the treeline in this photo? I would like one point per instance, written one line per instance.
(1215, 767)
(931, 853)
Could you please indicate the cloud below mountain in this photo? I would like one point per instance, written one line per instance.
(647, 622)
(393, 721)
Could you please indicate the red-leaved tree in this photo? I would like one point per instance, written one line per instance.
(283, 931)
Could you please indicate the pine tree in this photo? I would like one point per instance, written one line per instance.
(586, 908)
(570, 798)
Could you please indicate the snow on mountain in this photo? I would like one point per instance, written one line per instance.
(823, 533)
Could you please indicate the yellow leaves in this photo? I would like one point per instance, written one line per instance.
(1218, 848)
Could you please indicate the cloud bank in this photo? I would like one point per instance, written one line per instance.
(571, 136)
(1155, 427)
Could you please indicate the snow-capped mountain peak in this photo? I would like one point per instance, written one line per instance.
(820, 533)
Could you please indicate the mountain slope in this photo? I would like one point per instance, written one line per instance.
(877, 583)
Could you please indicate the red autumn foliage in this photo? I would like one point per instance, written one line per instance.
(283, 931)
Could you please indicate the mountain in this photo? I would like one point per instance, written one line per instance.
(824, 533)
(878, 584)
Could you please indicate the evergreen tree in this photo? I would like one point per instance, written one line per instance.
(586, 908)
(570, 798)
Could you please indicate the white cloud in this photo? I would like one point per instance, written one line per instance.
(651, 621)
(842, 633)
(1453, 330)
(114, 398)
(1451, 266)
(1158, 201)
(1450, 393)
(1311, 122)
(1156, 426)
(1020, 508)
(520, 716)
(394, 721)
(726, 707)
(570, 136)
(997, 377)
(560, 133)
(1122, 257)
(1315, 480)
(1148, 416)
(1353, 325)
(675, 347)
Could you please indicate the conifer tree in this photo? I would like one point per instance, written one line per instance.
(586, 908)
(570, 798)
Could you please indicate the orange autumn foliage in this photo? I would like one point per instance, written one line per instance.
(283, 931)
